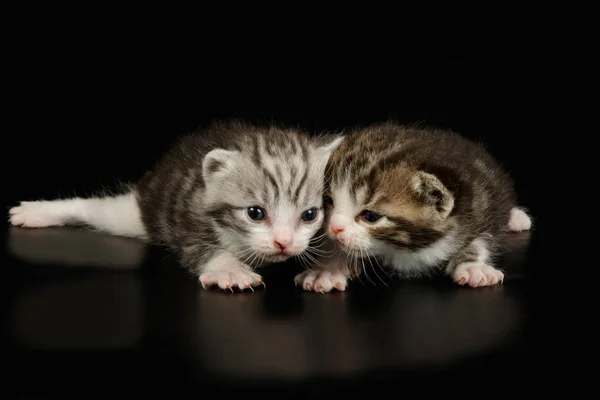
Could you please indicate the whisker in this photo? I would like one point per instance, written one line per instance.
(351, 263)
(320, 237)
(261, 260)
(362, 259)
(317, 243)
(255, 258)
(241, 254)
(251, 255)
(313, 260)
(316, 250)
(377, 262)
(300, 260)
(304, 262)
(357, 269)
(350, 267)
(373, 267)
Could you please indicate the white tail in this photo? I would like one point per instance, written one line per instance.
(118, 215)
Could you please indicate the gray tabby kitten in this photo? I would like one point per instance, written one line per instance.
(413, 200)
(227, 198)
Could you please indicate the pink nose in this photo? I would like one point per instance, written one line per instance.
(282, 246)
(282, 237)
(338, 223)
(336, 230)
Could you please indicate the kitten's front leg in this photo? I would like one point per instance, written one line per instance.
(472, 266)
(329, 272)
(227, 272)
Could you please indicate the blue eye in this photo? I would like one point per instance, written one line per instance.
(370, 216)
(256, 213)
(309, 215)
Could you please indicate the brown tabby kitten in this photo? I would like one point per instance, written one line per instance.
(413, 200)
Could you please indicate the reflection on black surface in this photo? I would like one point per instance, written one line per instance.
(280, 332)
(86, 314)
(420, 325)
(75, 247)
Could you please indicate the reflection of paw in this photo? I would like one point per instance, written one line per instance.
(477, 274)
(322, 281)
(35, 214)
(519, 220)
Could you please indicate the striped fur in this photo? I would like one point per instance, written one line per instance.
(196, 198)
(443, 201)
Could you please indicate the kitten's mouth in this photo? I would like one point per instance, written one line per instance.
(280, 256)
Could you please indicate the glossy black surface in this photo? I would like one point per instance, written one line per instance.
(84, 309)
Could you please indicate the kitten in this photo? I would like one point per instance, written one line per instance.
(227, 198)
(414, 199)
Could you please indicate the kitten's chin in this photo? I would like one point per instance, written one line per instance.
(273, 258)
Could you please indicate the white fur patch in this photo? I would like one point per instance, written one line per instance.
(227, 272)
(323, 281)
(483, 253)
(344, 203)
(477, 274)
(519, 220)
(118, 215)
(417, 263)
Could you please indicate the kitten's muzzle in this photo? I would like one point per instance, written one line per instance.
(283, 237)
(338, 223)
(281, 246)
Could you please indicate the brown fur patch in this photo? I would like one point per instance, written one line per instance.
(459, 185)
(395, 196)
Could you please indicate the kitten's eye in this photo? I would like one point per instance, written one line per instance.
(309, 215)
(327, 200)
(370, 216)
(256, 213)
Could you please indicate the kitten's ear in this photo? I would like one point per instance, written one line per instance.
(330, 146)
(217, 162)
(429, 189)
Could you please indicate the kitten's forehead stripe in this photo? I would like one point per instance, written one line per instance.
(284, 161)
(364, 157)
(300, 186)
(255, 151)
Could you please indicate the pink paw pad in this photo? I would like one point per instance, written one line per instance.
(477, 274)
(227, 280)
(321, 281)
(34, 214)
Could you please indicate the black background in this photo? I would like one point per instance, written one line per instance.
(96, 94)
(78, 151)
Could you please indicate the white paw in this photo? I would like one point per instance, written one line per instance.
(229, 278)
(477, 274)
(35, 214)
(519, 220)
(322, 281)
